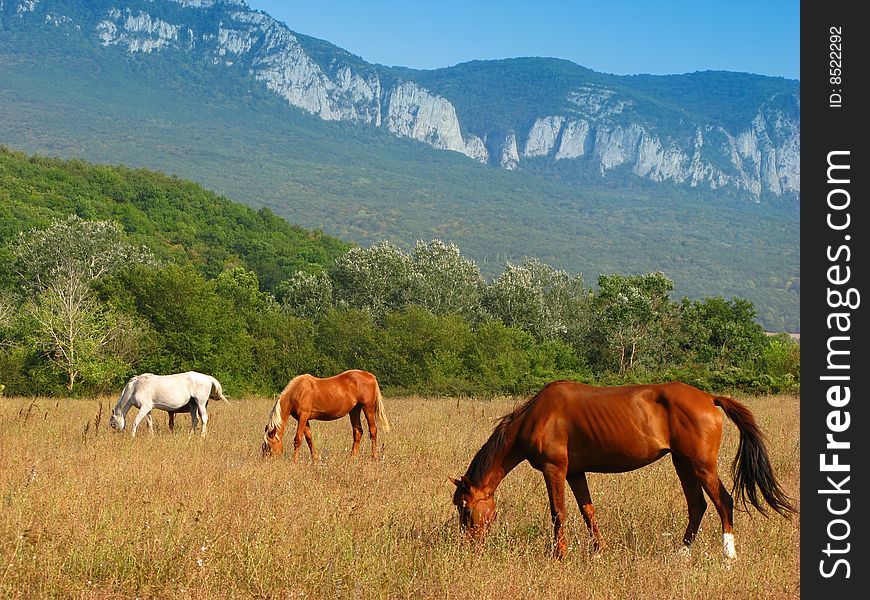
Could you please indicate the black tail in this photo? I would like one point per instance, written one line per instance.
(751, 467)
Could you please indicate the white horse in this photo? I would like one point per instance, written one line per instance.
(172, 393)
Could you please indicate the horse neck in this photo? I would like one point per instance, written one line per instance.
(124, 403)
(495, 459)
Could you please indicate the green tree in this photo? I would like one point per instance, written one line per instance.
(7, 316)
(85, 341)
(443, 281)
(348, 339)
(283, 346)
(516, 300)
(781, 358)
(305, 295)
(533, 296)
(722, 332)
(374, 279)
(58, 267)
(192, 326)
(71, 253)
(633, 316)
(242, 288)
(497, 358)
(424, 351)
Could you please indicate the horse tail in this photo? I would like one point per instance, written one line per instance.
(380, 413)
(751, 466)
(216, 387)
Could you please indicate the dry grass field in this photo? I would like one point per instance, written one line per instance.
(89, 513)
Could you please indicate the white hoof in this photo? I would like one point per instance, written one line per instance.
(684, 553)
(728, 546)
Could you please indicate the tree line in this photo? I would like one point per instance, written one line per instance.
(83, 307)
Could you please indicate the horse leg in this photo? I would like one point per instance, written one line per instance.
(172, 421)
(150, 424)
(194, 421)
(203, 416)
(724, 505)
(369, 410)
(580, 487)
(310, 440)
(694, 497)
(554, 476)
(300, 431)
(143, 412)
(356, 424)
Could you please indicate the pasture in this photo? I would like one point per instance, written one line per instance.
(86, 512)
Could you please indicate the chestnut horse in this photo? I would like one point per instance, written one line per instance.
(310, 398)
(569, 429)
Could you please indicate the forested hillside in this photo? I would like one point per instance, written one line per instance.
(109, 271)
(177, 220)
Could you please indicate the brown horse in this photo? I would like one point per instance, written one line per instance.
(310, 398)
(569, 429)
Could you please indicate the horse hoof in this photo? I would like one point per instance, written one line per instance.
(728, 550)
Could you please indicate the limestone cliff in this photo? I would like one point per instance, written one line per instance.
(607, 126)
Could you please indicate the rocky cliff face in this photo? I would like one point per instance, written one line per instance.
(764, 157)
(599, 126)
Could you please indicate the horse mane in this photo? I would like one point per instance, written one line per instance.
(127, 392)
(483, 461)
(275, 424)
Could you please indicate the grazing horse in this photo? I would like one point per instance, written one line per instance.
(310, 398)
(181, 392)
(569, 429)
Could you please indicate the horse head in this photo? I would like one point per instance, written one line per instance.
(272, 444)
(476, 508)
(117, 422)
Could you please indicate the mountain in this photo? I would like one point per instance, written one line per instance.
(705, 129)
(710, 129)
(697, 175)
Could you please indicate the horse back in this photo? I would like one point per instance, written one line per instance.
(198, 383)
(614, 429)
(364, 382)
(170, 392)
(329, 397)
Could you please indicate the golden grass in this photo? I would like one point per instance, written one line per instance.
(89, 513)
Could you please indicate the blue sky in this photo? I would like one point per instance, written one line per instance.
(622, 37)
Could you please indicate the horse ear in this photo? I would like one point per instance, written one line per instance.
(456, 482)
(465, 480)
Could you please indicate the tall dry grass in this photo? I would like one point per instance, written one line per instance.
(89, 513)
